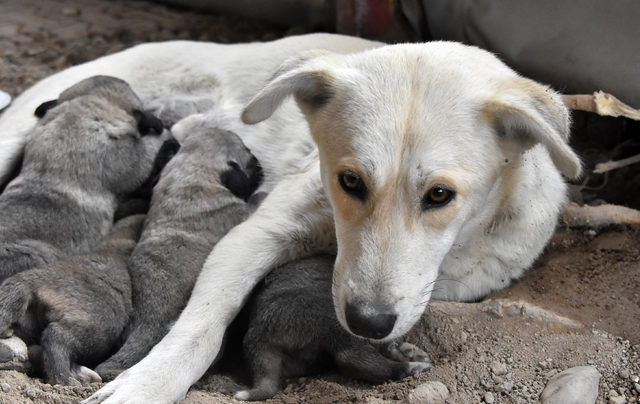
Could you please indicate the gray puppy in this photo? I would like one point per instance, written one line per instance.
(75, 309)
(199, 197)
(87, 152)
(293, 331)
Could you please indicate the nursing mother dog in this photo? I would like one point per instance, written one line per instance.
(434, 169)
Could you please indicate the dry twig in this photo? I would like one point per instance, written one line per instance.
(612, 165)
(601, 103)
(600, 216)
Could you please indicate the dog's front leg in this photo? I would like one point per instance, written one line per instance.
(293, 221)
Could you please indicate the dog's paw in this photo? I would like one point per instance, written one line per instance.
(139, 385)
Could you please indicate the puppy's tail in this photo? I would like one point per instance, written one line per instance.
(15, 296)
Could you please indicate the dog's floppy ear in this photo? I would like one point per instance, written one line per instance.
(304, 76)
(147, 122)
(525, 113)
(44, 107)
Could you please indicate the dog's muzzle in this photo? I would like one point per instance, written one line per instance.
(372, 324)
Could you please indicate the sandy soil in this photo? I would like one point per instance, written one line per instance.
(479, 351)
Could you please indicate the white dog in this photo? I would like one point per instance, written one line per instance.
(434, 167)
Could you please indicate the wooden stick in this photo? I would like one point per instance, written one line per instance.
(600, 216)
(601, 103)
(612, 165)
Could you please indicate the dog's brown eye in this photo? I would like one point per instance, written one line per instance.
(352, 184)
(437, 197)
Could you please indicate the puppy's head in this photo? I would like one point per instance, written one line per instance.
(412, 140)
(95, 133)
(222, 152)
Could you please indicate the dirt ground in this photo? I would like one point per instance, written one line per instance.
(498, 350)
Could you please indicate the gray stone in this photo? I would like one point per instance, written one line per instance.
(498, 368)
(431, 392)
(618, 400)
(488, 398)
(5, 387)
(505, 387)
(13, 348)
(6, 354)
(577, 385)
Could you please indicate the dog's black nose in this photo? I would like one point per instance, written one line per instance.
(376, 326)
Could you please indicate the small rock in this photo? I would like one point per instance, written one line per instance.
(6, 354)
(5, 387)
(624, 374)
(618, 400)
(498, 368)
(505, 387)
(636, 386)
(31, 393)
(431, 392)
(488, 398)
(577, 385)
(13, 348)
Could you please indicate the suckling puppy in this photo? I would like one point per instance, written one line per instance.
(293, 330)
(86, 153)
(74, 309)
(200, 196)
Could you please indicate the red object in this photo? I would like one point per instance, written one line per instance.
(368, 18)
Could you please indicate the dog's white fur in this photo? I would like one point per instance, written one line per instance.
(405, 118)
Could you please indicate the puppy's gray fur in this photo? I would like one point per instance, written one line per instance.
(76, 308)
(293, 331)
(84, 155)
(191, 209)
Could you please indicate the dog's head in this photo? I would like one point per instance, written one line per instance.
(95, 133)
(412, 139)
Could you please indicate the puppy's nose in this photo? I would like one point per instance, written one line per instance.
(374, 326)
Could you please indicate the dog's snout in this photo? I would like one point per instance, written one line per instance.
(375, 326)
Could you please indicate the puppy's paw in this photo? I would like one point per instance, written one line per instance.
(405, 352)
(85, 375)
(414, 368)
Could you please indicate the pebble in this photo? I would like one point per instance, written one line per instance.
(577, 385)
(636, 386)
(617, 400)
(13, 348)
(31, 394)
(624, 374)
(5, 387)
(432, 392)
(505, 387)
(488, 398)
(498, 368)
(6, 354)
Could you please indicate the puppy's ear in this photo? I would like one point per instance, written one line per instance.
(525, 113)
(236, 181)
(44, 107)
(307, 77)
(255, 174)
(147, 122)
